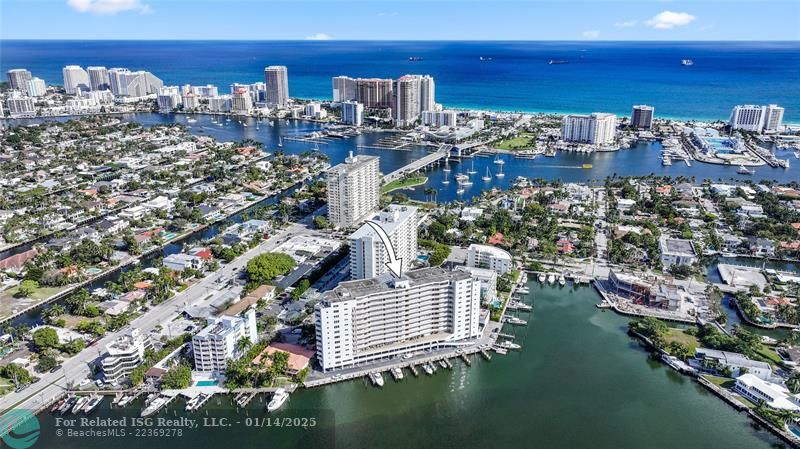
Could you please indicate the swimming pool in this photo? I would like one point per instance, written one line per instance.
(423, 257)
(206, 383)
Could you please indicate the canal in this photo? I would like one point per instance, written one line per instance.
(579, 381)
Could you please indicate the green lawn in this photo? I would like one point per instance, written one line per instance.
(680, 336)
(723, 382)
(40, 293)
(521, 142)
(404, 183)
(768, 355)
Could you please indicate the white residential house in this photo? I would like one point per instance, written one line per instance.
(179, 262)
(489, 257)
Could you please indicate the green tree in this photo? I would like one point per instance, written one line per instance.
(45, 338)
(177, 377)
(27, 288)
(46, 363)
(267, 266)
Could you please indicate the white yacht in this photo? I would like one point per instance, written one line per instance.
(541, 277)
(92, 403)
(428, 369)
(562, 281)
(280, 142)
(498, 161)
(488, 176)
(278, 399)
(376, 378)
(79, 405)
(154, 406)
(506, 344)
(397, 373)
(551, 278)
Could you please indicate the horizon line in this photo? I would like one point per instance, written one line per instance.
(392, 40)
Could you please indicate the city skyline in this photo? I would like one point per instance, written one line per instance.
(466, 20)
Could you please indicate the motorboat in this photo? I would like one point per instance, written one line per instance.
(376, 378)
(154, 406)
(428, 369)
(506, 344)
(562, 281)
(744, 170)
(397, 373)
(515, 321)
(499, 161)
(443, 364)
(92, 404)
(278, 399)
(687, 62)
(551, 278)
(79, 405)
(67, 405)
(459, 191)
(280, 142)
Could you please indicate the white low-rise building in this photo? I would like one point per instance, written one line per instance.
(487, 279)
(489, 257)
(759, 391)
(179, 262)
(677, 252)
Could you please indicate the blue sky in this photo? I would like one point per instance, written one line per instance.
(401, 20)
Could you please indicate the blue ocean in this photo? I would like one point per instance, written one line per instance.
(514, 76)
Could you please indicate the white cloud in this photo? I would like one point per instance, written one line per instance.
(626, 24)
(109, 7)
(667, 20)
(591, 34)
(319, 37)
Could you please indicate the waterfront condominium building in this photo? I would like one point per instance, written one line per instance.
(20, 105)
(597, 128)
(76, 80)
(406, 109)
(489, 257)
(190, 100)
(368, 255)
(439, 118)
(220, 103)
(18, 79)
(123, 355)
(344, 88)
(169, 98)
(125, 83)
(374, 93)
(642, 116)
(209, 90)
(218, 342)
(241, 101)
(98, 78)
(276, 79)
(756, 118)
(352, 113)
(427, 93)
(36, 87)
(353, 190)
(379, 318)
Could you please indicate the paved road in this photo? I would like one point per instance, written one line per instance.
(51, 385)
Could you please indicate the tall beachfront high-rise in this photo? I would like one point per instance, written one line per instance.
(98, 78)
(18, 79)
(352, 113)
(406, 107)
(642, 116)
(368, 255)
(76, 79)
(427, 93)
(382, 318)
(276, 78)
(344, 88)
(756, 118)
(374, 93)
(353, 190)
(597, 128)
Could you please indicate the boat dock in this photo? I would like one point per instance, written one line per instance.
(242, 399)
(466, 359)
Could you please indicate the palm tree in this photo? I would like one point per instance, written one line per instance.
(794, 383)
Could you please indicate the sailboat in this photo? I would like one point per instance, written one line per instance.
(446, 165)
(472, 169)
(500, 174)
(459, 191)
(488, 176)
(498, 161)
(280, 142)
(446, 181)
